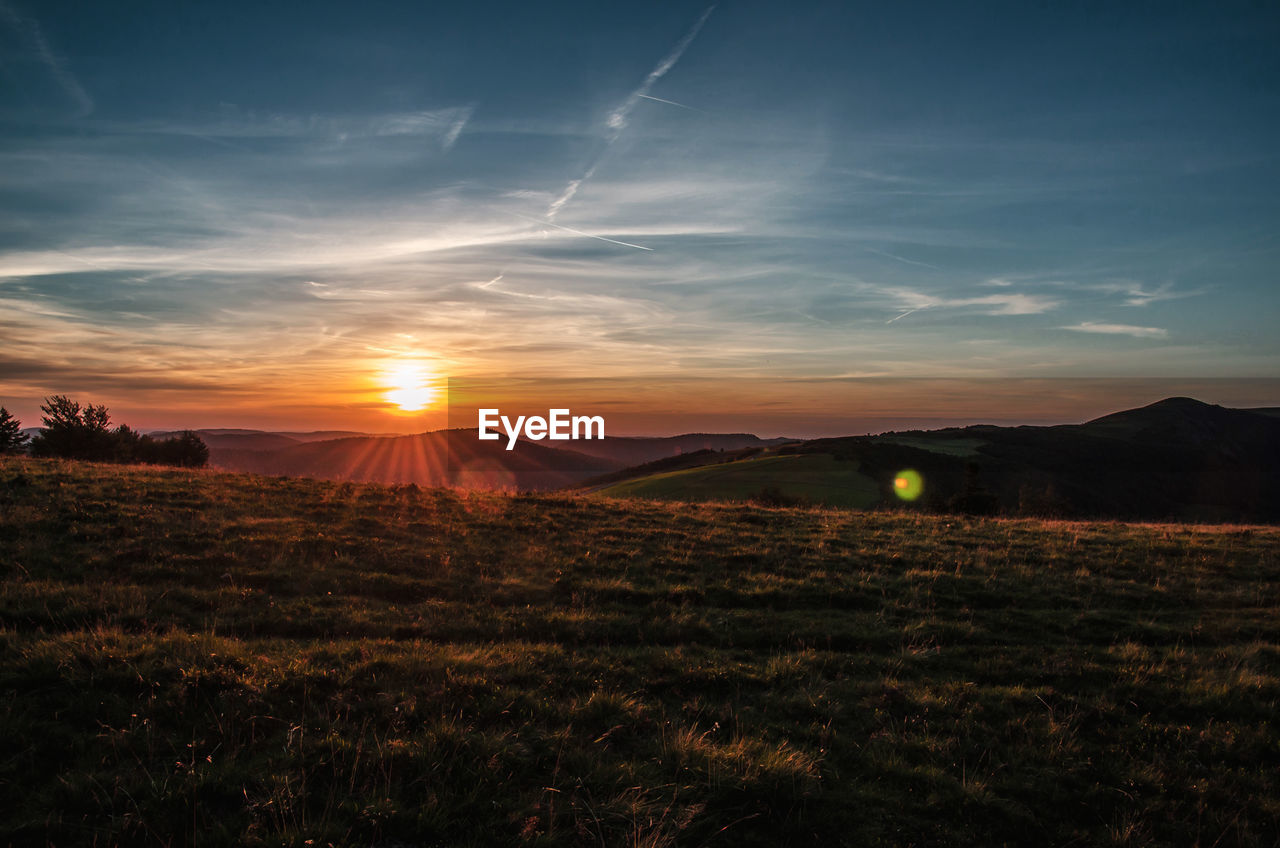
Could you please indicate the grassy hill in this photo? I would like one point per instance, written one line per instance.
(214, 659)
(438, 458)
(817, 478)
(454, 457)
(1178, 459)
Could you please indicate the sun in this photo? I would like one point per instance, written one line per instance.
(409, 386)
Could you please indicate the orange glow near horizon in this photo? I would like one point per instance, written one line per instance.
(406, 391)
(409, 386)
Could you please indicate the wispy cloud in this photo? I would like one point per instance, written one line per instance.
(617, 120)
(1118, 330)
(1136, 295)
(235, 123)
(29, 30)
(455, 129)
(569, 191)
(1004, 303)
(1012, 304)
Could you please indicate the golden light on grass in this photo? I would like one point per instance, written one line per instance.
(409, 386)
(908, 484)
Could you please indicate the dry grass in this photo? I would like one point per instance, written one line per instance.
(195, 658)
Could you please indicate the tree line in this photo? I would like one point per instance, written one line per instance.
(72, 431)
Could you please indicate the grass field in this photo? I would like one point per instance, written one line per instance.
(960, 447)
(195, 658)
(816, 478)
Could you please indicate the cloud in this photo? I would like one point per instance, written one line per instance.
(234, 123)
(30, 31)
(1118, 330)
(1012, 304)
(1136, 295)
(1004, 303)
(569, 191)
(455, 129)
(617, 120)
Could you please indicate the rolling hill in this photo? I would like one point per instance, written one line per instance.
(1175, 459)
(441, 458)
(238, 439)
(454, 457)
(816, 478)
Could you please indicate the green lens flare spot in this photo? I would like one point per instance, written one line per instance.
(908, 485)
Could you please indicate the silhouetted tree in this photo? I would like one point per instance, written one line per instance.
(127, 444)
(187, 450)
(73, 432)
(12, 439)
(974, 500)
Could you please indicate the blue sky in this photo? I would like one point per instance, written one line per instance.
(222, 214)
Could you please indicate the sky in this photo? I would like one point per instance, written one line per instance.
(814, 219)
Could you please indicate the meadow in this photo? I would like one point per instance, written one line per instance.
(812, 478)
(194, 658)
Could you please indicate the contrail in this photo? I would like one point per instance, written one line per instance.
(669, 102)
(617, 120)
(900, 258)
(602, 238)
(35, 36)
(455, 129)
(578, 232)
(569, 191)
(903, 315)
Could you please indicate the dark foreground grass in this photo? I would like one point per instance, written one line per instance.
(194, 658)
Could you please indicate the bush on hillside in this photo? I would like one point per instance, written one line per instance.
(74, 432)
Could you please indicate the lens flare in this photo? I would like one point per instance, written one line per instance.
(908, 484)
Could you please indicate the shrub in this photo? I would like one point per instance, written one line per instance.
(74, 432)
(12, 439)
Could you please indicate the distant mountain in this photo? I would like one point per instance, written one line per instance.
(259, 439)
(1176, 459)
(328, 435)
(1187, 424)
(454, 457)
(237, 440)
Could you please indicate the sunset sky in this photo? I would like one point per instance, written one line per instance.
(807, 219)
